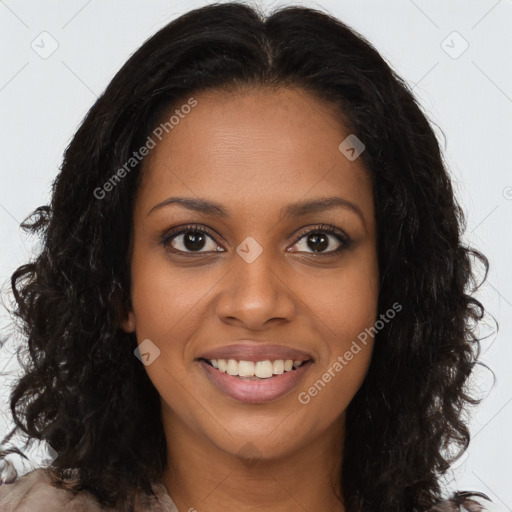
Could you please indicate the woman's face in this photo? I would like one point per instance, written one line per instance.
(265, 283)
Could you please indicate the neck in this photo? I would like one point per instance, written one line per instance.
(201, 476)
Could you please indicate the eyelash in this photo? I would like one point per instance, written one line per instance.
(344, 240)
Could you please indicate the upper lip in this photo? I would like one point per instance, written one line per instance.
(256, 351)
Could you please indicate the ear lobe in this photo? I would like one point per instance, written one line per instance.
(128, 324)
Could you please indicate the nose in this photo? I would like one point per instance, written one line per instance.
(253, 293)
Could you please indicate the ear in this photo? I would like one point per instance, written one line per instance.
(128, 324)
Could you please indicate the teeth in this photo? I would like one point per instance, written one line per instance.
(260, 369)
(278, 367)
(245, 368)
(232, 368)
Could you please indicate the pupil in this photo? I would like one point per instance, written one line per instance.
(320, 240)
(194, 240)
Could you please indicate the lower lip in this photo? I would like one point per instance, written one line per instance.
(256, 391)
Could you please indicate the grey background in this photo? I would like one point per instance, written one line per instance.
(455, 54)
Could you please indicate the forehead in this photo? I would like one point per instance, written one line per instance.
(272, 145)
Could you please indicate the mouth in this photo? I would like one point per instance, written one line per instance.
(255, 370)
(253, 382)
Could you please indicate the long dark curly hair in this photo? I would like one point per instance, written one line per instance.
(82, 389)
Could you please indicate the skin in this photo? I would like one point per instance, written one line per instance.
(254, 151)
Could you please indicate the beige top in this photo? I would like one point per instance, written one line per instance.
(33, 492)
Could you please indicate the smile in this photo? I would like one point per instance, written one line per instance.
(261, 369)
(255, 381)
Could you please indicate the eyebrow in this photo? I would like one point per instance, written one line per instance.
(292, 210)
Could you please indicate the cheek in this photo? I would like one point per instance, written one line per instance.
(329, 391)
(163, 297)
(345, 306)
(164, 302)
(340, 372)
(345, 302)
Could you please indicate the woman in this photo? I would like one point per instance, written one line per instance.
(252, 291)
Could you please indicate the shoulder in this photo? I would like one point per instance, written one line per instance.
(33, 492)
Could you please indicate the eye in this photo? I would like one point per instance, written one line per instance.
(190, 239)
(321, 238)
(194, 239)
